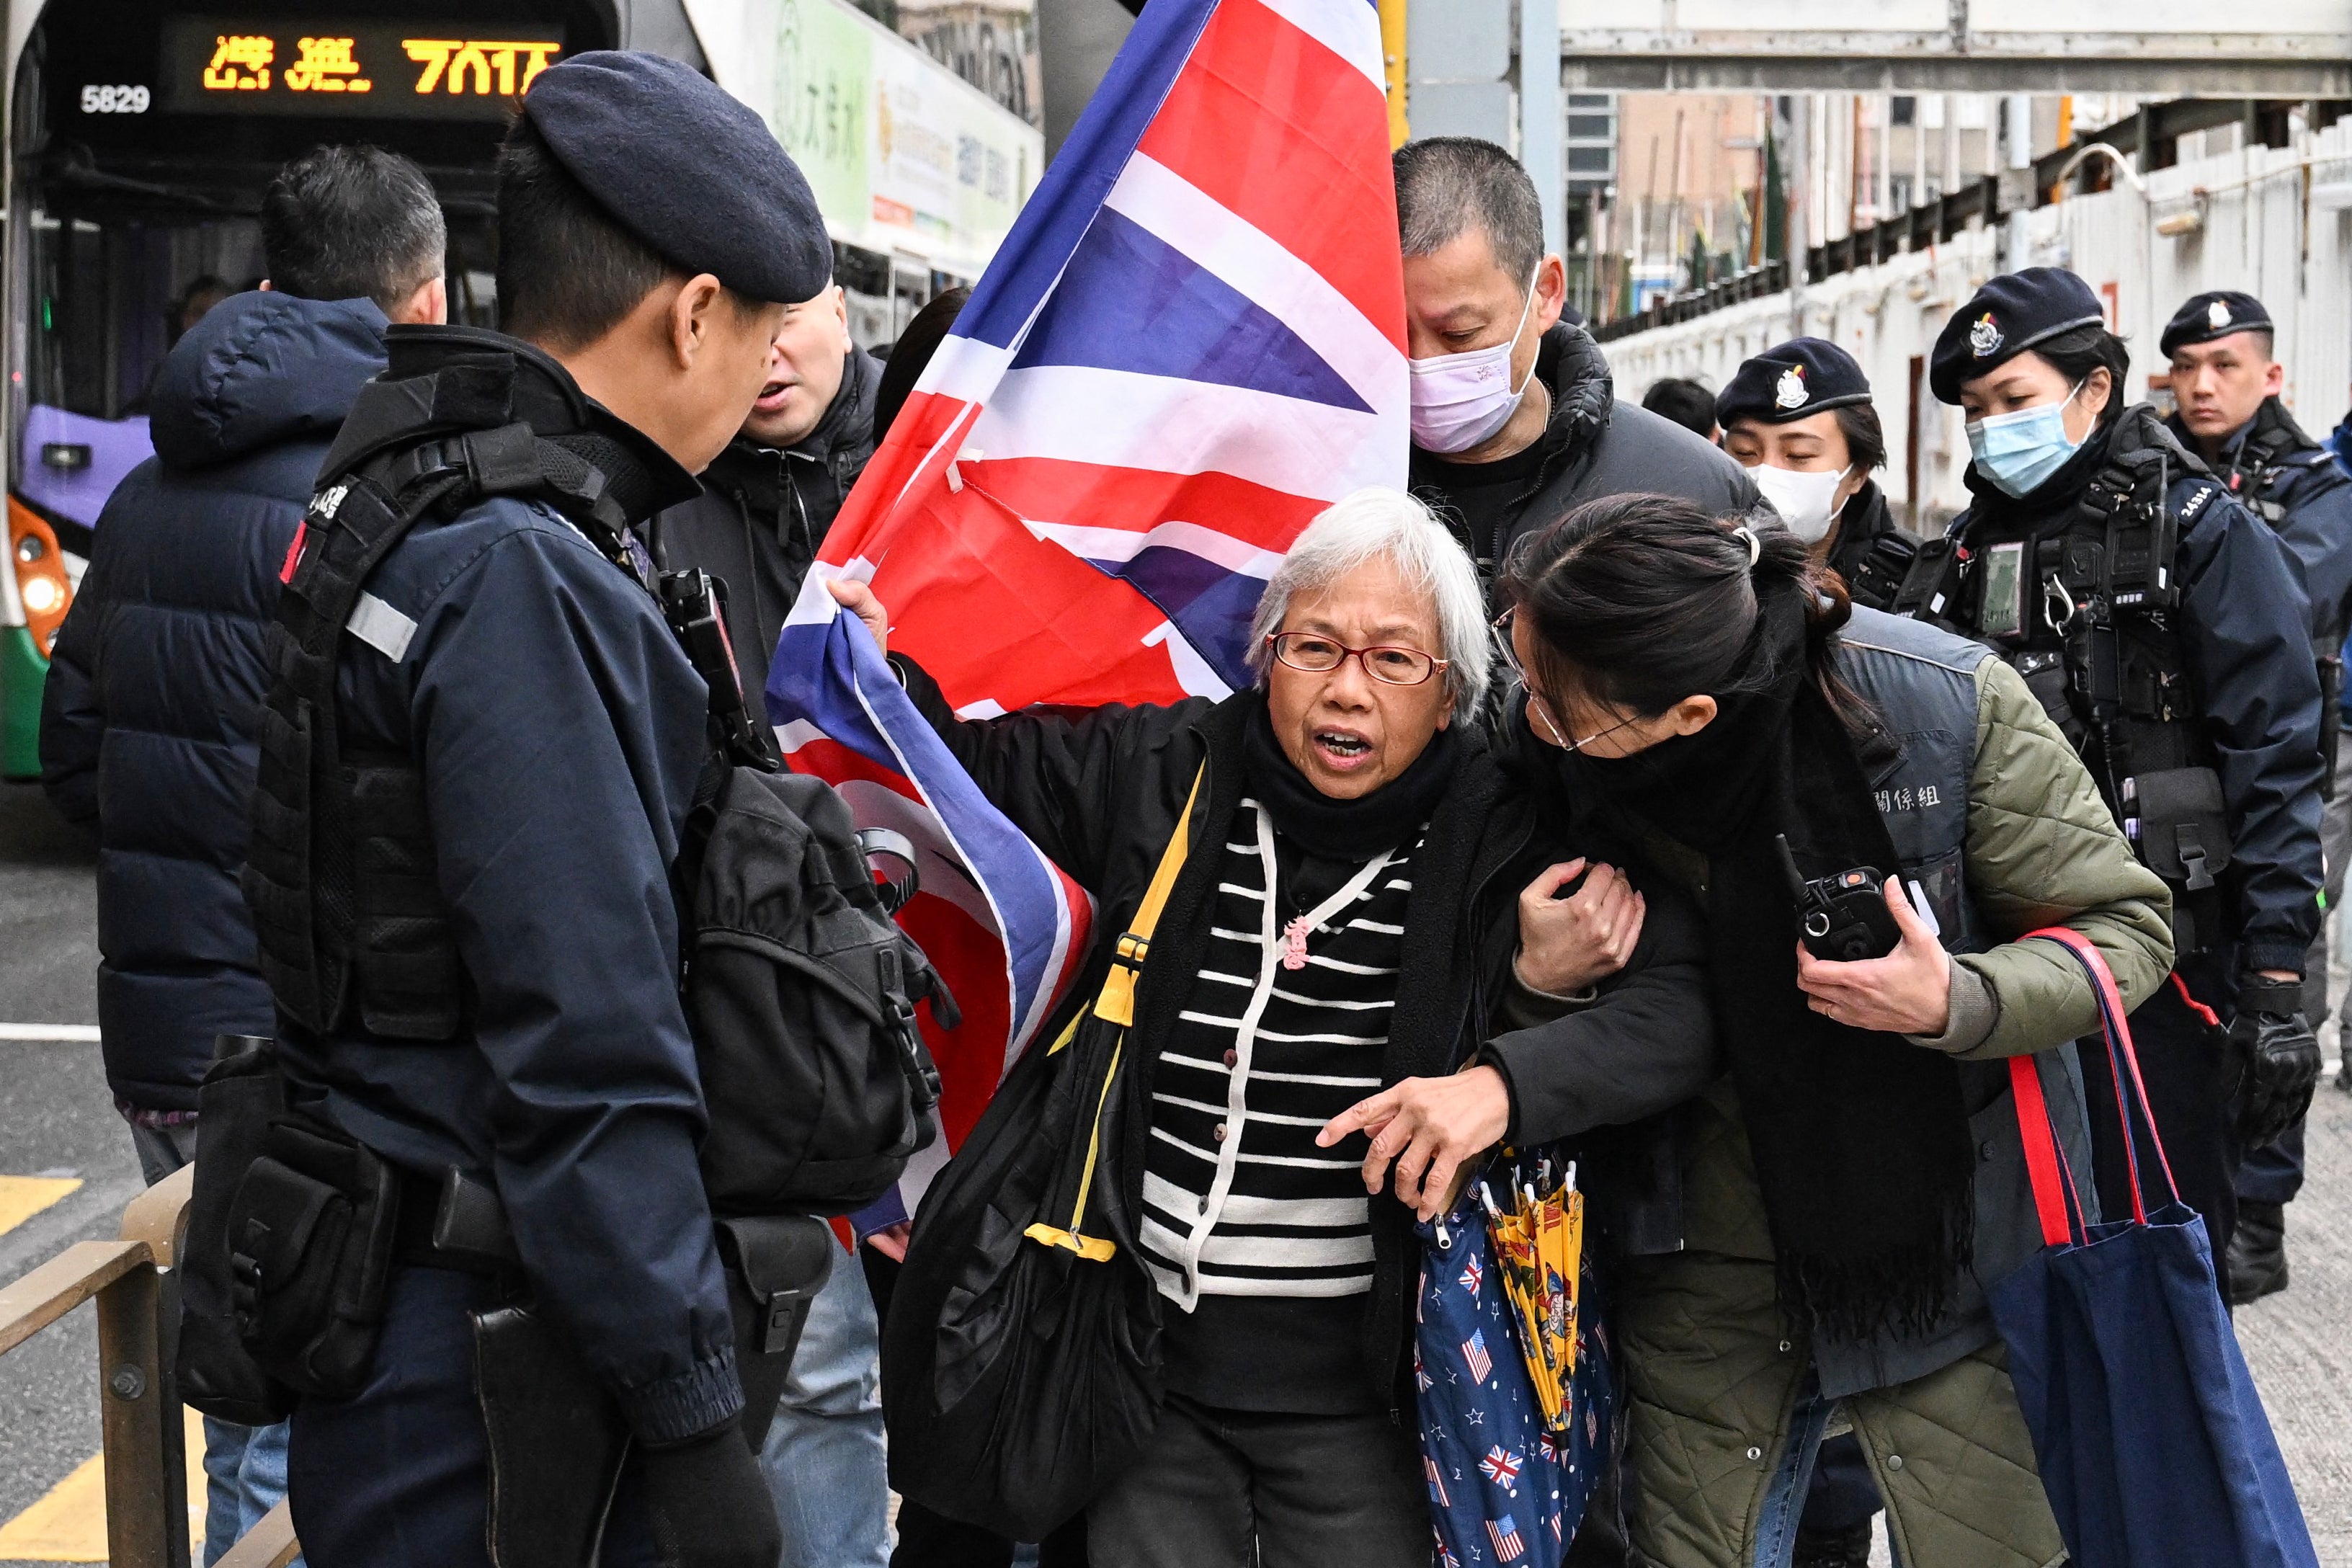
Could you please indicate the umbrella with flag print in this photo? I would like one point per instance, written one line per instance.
(1508, 1477)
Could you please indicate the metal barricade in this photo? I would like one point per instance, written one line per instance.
(135, 1294)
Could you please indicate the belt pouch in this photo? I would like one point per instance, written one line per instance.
(556, 1440)
(311, 1235)
(2182, 830)
(242, 1094)
(774, 1266)
(2184, 826)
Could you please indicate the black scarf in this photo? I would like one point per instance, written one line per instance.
(1349, 831)
(1860, 1139)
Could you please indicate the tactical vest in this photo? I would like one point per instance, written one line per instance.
(2275, 454)
(1875, 569)
(341, 874)
(2083, 602)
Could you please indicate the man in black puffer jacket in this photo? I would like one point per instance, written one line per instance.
(768, 499)
(1515, 420)
(148, 722)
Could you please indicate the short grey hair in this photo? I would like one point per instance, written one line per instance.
(1373, 524)
(1447, 184)
(353, 221)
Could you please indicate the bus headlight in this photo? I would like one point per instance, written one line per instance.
(42, 586)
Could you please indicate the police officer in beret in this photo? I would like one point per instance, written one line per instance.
(2226, 381)
(2164, 629)
(472, 792)
(1800, 420)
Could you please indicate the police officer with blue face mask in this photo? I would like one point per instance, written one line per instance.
(2165, 628)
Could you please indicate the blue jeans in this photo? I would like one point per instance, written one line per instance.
(1792, 1477)
(823, 1455)
(245, 1467)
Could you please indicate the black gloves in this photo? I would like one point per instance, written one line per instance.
(2280, 1058)
(711, 1504)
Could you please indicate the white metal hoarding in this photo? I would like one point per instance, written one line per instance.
(904, 155)
(2280, 47)
(2258, 228)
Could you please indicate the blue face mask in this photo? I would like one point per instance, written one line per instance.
(2017, 451)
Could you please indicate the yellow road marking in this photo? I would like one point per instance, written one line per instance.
(68, 1525)
(22, 1197)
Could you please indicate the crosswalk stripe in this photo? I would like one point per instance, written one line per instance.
(22, 1197)
(74, 1034)
(69, 1523)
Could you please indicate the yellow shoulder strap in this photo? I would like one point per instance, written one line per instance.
(1115, 1002)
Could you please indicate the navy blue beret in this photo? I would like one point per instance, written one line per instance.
(687, 168)
(2009, 315)
(2213, 314)
(1799, 378)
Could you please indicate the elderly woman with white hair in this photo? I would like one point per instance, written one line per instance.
(1362, 897)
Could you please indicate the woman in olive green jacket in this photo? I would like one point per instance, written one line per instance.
(1852, 1177)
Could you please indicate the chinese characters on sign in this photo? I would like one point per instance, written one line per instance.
(326, 66)
(246, 53)
(902, 154)
(418, 69)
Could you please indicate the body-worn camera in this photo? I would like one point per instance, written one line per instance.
(1844, 917)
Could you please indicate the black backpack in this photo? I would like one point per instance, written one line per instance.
(800, 992)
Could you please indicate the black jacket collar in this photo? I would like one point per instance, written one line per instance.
(443, 381)
(1860, 521)
(754, 472)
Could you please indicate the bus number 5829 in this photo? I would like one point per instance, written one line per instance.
(115, 99)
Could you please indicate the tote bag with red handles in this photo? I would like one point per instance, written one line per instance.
(2152, 1442)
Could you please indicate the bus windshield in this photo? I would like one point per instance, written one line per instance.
(140, 135)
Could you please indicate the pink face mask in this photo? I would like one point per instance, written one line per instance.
(1460, 400)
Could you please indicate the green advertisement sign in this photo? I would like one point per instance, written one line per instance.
(903, 154)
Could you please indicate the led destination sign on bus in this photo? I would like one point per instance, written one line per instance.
(406, 71)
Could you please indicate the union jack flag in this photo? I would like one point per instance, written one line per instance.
(1505, 1533)
(1191, 341)
(1474, 1352)
(1502, 1468)
(1472, 1275)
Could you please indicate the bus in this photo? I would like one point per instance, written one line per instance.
(139, 134)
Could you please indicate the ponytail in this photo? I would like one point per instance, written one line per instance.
(1637, 602)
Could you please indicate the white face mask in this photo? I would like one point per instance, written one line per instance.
(1460, 400)
(1807, 502)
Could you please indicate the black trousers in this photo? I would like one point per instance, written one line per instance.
(2185, 1065)
(927, 1539)
(399, 1476)
(1230, 1489)
(2273, 1174)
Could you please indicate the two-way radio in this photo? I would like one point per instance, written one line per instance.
(1844, 917)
